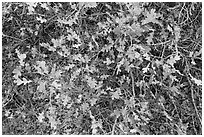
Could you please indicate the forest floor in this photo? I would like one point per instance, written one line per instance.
(102, 68)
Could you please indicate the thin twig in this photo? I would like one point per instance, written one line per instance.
(195, 17)
(163, 51)
(133, 85)
(4, 35)
(113, 130)
(181, 10)
(161, 43)
(192, 92)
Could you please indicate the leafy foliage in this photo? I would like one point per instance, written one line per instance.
(102, 68)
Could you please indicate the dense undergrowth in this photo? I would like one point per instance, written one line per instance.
(101, 68)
